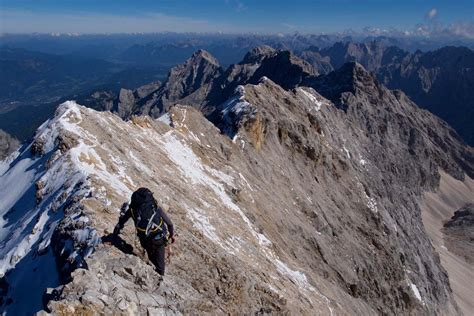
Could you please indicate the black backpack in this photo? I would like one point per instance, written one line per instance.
(146, 213)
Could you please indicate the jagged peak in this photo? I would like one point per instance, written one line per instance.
(204, 54)
(351, 77)
(257, 54)
(353, 67)
(285, 69)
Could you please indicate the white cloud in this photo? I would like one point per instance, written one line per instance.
(463, 29)
(432, 13)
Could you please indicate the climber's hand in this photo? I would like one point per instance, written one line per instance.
(171, 240)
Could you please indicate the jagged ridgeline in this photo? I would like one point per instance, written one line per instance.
(290, 193)
(439, 81)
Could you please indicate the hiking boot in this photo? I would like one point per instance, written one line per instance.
(160, 280)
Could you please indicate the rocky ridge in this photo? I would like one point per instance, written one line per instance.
(295, 203)
(202, 83)
(440, 81)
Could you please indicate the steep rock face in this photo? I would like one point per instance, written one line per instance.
(189, 83)
(285, 69)
(390, 162)
(8, 144)
(363, 98)
(282, 67)
(440, 81)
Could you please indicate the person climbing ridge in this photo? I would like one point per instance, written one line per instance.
(152, 224)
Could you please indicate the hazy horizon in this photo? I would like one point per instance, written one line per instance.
(419, 18)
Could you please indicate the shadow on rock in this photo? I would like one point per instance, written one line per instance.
(119, 243)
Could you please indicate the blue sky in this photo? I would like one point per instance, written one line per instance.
(262, 16)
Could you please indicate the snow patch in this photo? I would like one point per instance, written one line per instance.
(312, 98)
(233, 110)
(416, 292)
(139, 164)
(202, 223)
(371, 203)
(348, 154)
(192, 168)
(165, 118)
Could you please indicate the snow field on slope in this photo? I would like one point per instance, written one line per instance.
(197, 173)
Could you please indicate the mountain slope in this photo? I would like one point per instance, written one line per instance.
(440, 81)
(197, 187)
(309, 206)
(302, 195)
(438, 209)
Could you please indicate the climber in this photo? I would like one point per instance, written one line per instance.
(152, 224)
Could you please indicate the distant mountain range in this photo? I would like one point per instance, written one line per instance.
(202, 82)
(111, 46)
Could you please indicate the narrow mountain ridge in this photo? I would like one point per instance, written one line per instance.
(296, 200)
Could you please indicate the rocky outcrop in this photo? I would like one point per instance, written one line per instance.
(459, 233)
(123, 102)
(188, 83)
(8, 144)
